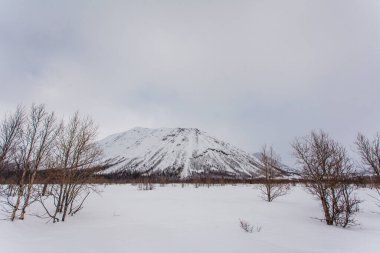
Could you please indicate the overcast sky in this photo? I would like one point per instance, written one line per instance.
(248, 72)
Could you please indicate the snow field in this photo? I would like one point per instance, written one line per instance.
(190, 219)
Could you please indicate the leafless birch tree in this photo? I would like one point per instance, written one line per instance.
(38, 132)
(270, 189)
(10, 132)
(33, 142)
(76, 154)
(369, 151)
(10, 136)
(327, 170)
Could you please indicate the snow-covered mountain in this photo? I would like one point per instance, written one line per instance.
(293, 173)
(182, 152)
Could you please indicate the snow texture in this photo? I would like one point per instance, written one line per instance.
(203, 220)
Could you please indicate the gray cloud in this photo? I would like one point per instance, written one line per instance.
(251, 72)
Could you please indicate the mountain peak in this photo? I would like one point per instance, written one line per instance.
(179, 152)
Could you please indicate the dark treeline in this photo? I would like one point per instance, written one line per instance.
(54, 176)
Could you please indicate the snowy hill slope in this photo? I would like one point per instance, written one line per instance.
(181, 152)
(294, 173)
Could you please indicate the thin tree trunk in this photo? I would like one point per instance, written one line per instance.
(29, 190)
(328, 218)
(19, 194)
(66, 204)
(44, 189)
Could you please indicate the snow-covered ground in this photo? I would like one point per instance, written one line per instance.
(176, 219)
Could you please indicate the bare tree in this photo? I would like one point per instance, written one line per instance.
(10, 131)
(67, 154)
(327, 170)
(10, 135)
(76, 154)
(32, 151)
(44, 124)
(369, 151)
(271, 189)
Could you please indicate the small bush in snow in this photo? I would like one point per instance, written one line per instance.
(248, 227)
